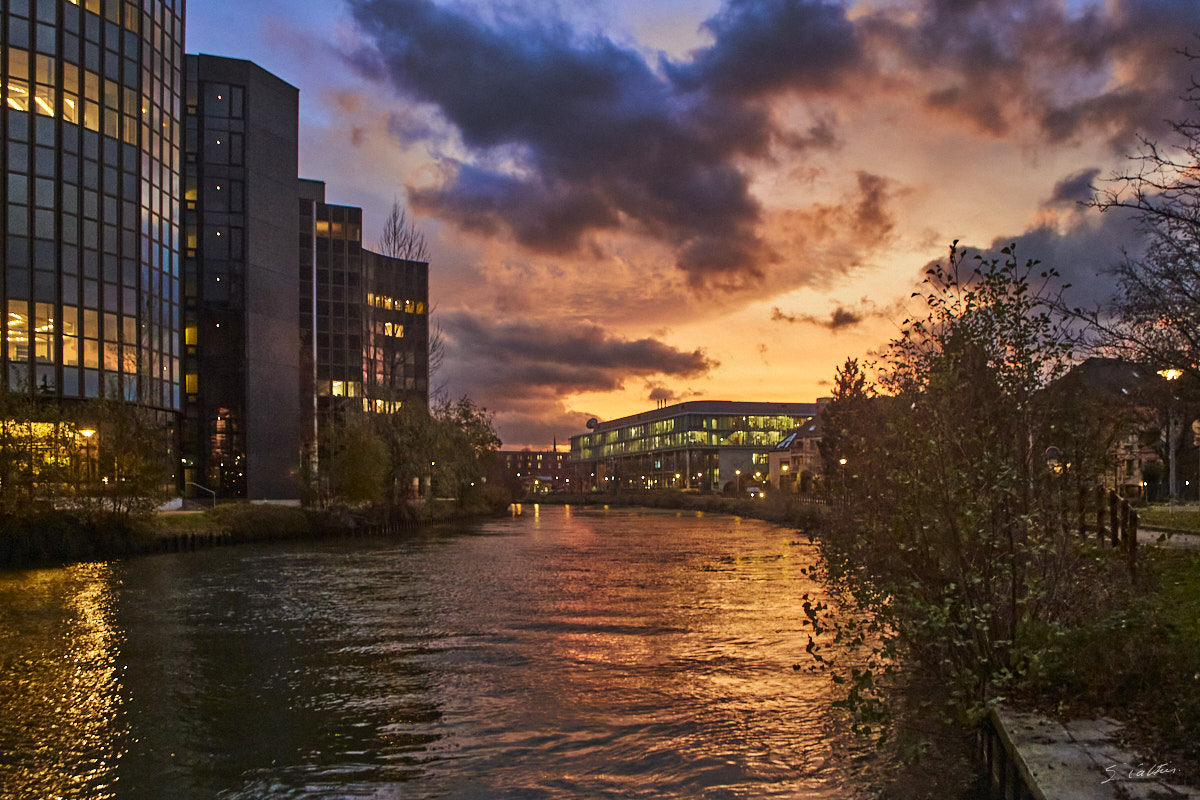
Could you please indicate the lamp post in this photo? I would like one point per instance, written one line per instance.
(87, 434)
(1173, 423)
(737, 474)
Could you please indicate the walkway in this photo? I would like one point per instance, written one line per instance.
(1081, 761)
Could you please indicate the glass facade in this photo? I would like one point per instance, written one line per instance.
(91, 154)
(364, 323)
(395, 332)
(695, 445)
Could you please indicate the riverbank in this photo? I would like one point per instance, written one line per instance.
(780, 509)
(1133, 662)
(55, 537)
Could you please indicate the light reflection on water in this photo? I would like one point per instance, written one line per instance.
(566, 653)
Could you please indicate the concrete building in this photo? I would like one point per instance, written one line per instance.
(795, 463)
(534, 471)
(159, 247)
(288, 317)
(704, 445)
(241, 418)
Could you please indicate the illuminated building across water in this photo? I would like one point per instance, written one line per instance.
(702, 444)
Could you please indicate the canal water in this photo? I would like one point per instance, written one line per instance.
(564, 653)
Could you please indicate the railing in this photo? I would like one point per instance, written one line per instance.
(1121, 516)
(205, 489)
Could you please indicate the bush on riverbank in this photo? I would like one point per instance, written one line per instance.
(964, 451)
(261, 521)
(50, 537)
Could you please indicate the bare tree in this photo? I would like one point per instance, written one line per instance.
(1155, 316)
(400, 238)
(437, 354)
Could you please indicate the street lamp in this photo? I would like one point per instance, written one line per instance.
(1173, 423)
(87, 434)
(737, 473)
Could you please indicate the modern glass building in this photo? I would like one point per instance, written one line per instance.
(90, 223)
(364, 325)
(395, 331)
(700, 444)
(148, 232)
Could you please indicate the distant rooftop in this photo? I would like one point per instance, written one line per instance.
(745, 408)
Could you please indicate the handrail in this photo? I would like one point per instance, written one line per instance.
(205, 489)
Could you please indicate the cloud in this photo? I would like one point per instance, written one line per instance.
(762, 47)
(841, 317)
(1074, 189)
(511, 359)
(1083, 253)
(661, 394)
(527, 370)
(565, 138)
(551, 118)
(1067, 72)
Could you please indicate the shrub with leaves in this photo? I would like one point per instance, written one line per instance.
(957, 542)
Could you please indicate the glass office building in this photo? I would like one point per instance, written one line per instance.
(364, 324)
(90, 223)
(702, 445)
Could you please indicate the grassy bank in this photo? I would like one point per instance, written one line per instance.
(1183, 518)
(1138, 663)
(51, 537)
(48, 537)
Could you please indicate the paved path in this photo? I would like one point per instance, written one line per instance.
(1183, 541)
(1080, 761)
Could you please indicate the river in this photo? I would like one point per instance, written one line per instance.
(563, 653)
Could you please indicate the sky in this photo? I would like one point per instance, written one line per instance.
(631, 202)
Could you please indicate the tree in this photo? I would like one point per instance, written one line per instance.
(400, 238)
(408, 435)
(357, 461)
(846, 428)
(957, 546)
(1155, 316)
(131, 451)
(465, 442)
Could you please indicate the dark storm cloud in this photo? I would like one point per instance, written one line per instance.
(599, 137)
(516, 358)
(1084, 255)
(661, 394)
(1074, 189)
(570, 134)
(1003, 62)
(767, 46)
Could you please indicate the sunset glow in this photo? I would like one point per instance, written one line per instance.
(629, 203)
